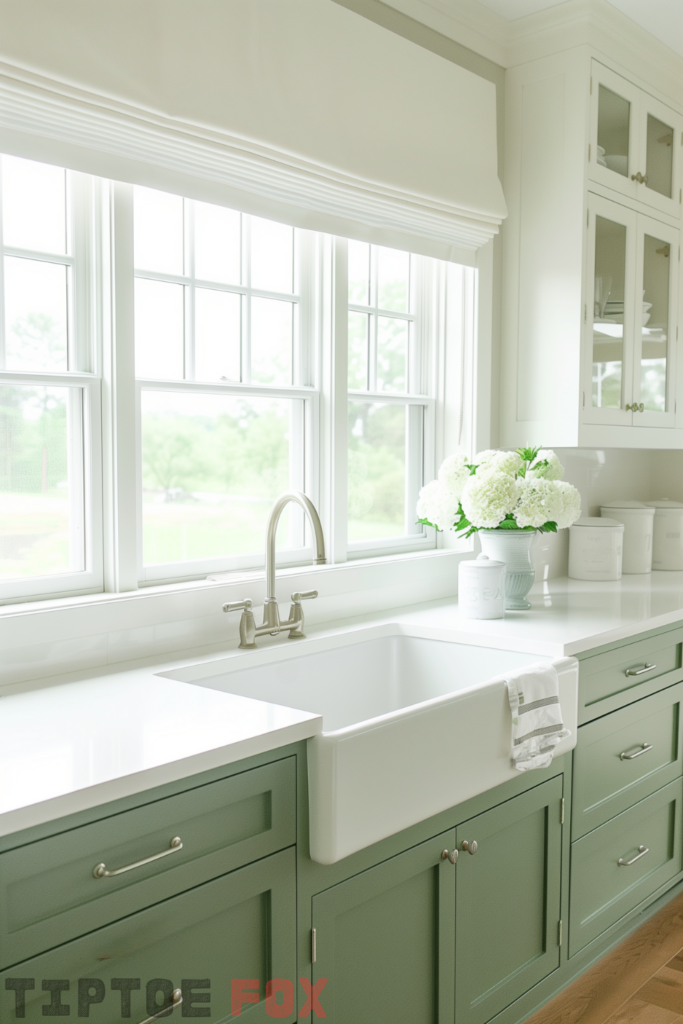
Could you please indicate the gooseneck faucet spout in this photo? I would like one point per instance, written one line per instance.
(271, 612)
(309, 508)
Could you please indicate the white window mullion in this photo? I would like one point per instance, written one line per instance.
(246, 300)
(338, 401)
(120, 408)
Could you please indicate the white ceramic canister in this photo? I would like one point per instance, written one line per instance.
(638, 520)
(595, 548)
(667, 542)
(481, 588)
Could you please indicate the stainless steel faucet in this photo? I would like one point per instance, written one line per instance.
(271, 613)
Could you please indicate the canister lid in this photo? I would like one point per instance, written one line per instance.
(483, 562)
(601, 521)
(625, 505)
(664, 503)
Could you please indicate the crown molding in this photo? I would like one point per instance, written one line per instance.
(594, 23)
(598, 24)
(466, 22)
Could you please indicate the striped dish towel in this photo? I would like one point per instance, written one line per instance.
(537, 725)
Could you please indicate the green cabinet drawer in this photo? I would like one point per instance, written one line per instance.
(602, 887)
(611, 680)
(239, 926)
(48, 891)
(623, 757)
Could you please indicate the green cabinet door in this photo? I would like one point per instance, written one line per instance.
(239, 926)
(385, 940)
(507, 902)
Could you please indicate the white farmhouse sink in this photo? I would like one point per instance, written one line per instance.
(411, 725)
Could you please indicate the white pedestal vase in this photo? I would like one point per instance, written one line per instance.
(514, 547)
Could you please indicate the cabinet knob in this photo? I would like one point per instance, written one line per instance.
(640, 178)
(452, 857)
(177, 999)
(468, 847)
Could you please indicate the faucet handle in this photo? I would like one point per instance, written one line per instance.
(307, 595)
(238, 606)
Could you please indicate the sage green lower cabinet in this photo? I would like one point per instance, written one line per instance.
(385, 940)
(239, 926)
(623, 862)
(508, 902)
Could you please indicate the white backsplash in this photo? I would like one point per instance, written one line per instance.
(602, 475)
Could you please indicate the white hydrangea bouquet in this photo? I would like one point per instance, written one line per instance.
(520, 490)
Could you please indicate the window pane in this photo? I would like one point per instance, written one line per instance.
(608, 313)
(377, 470)
(393, 279)
(358, 351)
(655, 323)
(159, 329)
(359, 273)
(217, 335)
(660, 156)
(217, 244)
(614, 119)
(36, 319)
(34, 205)
(272, 256)
(211, 468)
(158, 231)
(392, 353)
(271, 341)
(41, 513)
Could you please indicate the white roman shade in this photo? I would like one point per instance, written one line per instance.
(298, 110)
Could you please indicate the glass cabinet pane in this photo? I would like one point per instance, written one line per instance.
(655, 323)
(608, 313)
(660, 156)
(614, 119)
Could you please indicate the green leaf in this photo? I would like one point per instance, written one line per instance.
(426, 522)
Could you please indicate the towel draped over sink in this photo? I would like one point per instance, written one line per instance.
(537, 725)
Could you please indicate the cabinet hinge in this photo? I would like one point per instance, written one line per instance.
(588, 218)
(562, 803)
(585, 312)
(559, 933)
(589, 152)
(680, 195)
(314, 946)
(584, 400)
(591, 85)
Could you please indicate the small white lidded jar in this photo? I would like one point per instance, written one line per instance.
(481, 588)
(638, 520)
(667, 543)
(595, 549)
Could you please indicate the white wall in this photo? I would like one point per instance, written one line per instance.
(602, 475)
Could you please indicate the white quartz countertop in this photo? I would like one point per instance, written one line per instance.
(82, 741)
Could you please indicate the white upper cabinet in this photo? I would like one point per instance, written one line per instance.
(635, 142)
(630, 308)
(591, 267)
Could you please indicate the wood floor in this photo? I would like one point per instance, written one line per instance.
(639, 982)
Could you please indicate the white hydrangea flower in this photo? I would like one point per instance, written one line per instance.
(569, 500)
(483, 458)
(540, 502)
(488, 497)
(454, 474)
(502, 462)
(438, 504)
(553, 471)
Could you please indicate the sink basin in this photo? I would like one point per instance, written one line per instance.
(411, 725)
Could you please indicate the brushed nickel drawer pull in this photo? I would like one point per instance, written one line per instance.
(642, 749)
(101, 870)
(177, 1000)
(469, 847)
(642, 850)
(639, 671)
(452, 857)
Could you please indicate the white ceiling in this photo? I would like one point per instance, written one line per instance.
(663, 18)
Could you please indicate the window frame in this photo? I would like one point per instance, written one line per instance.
(83, 337)
(103, 289)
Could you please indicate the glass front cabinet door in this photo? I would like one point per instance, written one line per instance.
(629, 316)
(635, 146)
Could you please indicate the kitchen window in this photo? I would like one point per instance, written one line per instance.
(257, 358)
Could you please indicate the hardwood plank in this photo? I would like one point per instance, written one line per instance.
(607, 986)
(637, 1011)
(664, 990)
